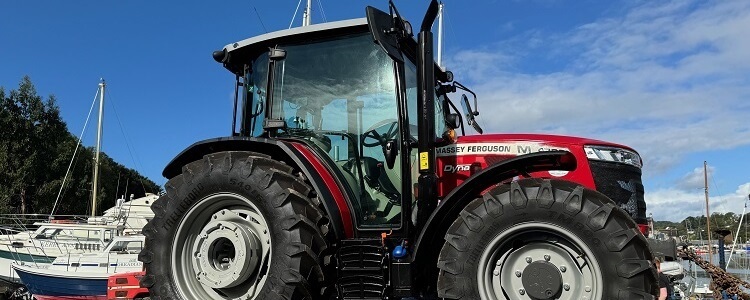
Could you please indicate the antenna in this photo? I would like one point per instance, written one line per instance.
(440, 35)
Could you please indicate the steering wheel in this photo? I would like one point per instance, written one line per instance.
(380, 140)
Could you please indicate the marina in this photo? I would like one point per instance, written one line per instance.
(697, 282)
(358, 164)
(92, 248)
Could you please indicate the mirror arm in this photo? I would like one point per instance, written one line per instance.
(444, 89)
(398, 27)
(393, 10)
(456, 84)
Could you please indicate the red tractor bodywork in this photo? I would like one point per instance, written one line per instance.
(126, 286)
(458, 161)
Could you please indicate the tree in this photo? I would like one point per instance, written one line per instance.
(34, 129)
(34, 156)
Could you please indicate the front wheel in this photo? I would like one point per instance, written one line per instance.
(545, 239)
(235, 225)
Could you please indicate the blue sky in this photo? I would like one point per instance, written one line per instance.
(669, 78)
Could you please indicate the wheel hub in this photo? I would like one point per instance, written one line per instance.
(538, 261)
(226, 252)
(221, 249)
(542, 280)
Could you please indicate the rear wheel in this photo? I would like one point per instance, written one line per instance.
(235, 225)
(545, 239)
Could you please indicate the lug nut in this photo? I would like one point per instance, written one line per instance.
(566, 287)
(528, 259)
(587, 289)
(521, 291)
(496, 273)
(563, 269)
(518, 273)
(546, 257)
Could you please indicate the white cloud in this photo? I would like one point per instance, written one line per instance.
(674, 204)
(667, 78)
(695, 179)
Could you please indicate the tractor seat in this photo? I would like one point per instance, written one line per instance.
(375, 177)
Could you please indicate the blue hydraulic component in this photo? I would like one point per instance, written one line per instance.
(400, 251)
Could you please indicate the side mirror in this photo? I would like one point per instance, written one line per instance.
(390, 151)
(470, 114)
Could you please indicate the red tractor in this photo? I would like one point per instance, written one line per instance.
(345, 179)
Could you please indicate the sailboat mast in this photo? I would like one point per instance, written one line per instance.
(737, 236)
(306, 17)
(102, 84)
(708, 214)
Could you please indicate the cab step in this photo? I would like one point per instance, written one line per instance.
(362, 270)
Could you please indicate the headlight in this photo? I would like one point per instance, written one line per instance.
(613, 154)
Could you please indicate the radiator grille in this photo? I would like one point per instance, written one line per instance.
(621, 183)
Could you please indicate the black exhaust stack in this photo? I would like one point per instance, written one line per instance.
(426, 117)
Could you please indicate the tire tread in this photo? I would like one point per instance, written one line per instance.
(289, 200)
(623, 246)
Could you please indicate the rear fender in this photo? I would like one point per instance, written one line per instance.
(433, 231)
(338, 213)
(197, 150)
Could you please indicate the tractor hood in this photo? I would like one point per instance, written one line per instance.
(518, 144)
(542, 138)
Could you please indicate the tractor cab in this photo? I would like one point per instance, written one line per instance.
(334, 87)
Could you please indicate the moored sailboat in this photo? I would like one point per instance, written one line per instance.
(51, 239)
(82, 276)
(60, 237)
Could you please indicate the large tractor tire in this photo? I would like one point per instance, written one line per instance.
(545, 239)
(235, 225)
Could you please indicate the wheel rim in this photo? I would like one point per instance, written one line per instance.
(222, 249)
(538, 261)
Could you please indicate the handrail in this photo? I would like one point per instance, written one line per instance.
(57, 244)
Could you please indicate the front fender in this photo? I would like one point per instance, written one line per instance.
(430, 240)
